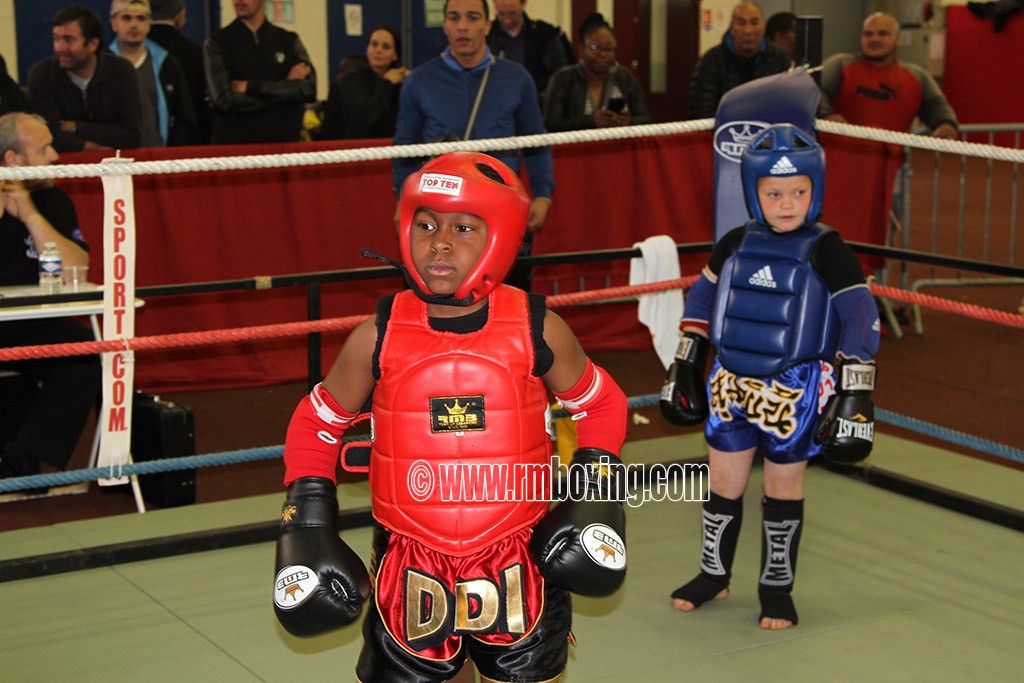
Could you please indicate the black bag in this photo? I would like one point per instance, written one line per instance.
(162, 429)
(17, 392)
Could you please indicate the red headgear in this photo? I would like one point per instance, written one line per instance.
(467, 182)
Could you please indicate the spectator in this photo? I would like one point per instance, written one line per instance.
(350, 64)
(597, 92)
(876, 89)
(168, 117)
(781, 30)
(260, 79)
(35, 212)
(539, 46)
(12, 97)
(364, 102)
(743, 56)
(89, 98)
(169, 17)
(438, 97)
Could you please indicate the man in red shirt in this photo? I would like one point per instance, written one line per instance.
(876, 89)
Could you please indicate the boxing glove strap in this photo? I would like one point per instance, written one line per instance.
(604, 472)
(312, 502)
(857, 377)
(693, 349)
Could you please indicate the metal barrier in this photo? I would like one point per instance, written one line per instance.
(962, 208)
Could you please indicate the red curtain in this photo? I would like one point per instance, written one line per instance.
(981, 67)
(198, 227)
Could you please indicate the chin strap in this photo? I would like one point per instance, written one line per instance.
(442, 299)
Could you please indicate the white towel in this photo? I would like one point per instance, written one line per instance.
(660, 311)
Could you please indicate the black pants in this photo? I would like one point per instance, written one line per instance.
(55, 414)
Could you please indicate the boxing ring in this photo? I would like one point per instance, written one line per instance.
(891, 587)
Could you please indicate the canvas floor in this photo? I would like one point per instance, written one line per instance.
(888, 589)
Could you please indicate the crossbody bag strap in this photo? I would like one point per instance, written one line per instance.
(476, 103)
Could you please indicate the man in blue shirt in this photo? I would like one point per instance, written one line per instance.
(438, 96)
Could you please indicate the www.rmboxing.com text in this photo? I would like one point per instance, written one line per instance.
(503, 482)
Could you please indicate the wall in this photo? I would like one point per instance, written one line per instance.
(8, 38)
(841, 26)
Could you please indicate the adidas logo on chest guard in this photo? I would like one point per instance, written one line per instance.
(763, 278)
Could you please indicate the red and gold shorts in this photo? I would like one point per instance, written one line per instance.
(426, 603)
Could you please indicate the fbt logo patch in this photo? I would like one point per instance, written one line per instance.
(439, 183)
(604, 546)
(293, 585)
(733, 137)
(456, 413)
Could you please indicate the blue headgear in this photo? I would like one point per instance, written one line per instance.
(783, 150)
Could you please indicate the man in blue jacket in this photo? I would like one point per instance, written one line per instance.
(438, 98)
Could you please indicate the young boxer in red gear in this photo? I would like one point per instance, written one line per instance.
(781, 298)
(459, 367)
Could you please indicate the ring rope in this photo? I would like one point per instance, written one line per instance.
(267, 161)
(239, 334)
(276, 452)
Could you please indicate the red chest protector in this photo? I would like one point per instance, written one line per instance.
(446, 399)
(883, 97)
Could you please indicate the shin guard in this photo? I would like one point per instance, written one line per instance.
(780, 543)
(720, 534)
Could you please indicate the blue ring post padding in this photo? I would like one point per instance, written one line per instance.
(744, 112)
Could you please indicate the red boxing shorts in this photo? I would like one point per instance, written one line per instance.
(426, 604)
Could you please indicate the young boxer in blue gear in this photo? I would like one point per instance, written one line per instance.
(781, 298)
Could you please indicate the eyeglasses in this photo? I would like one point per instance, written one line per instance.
(601, 50)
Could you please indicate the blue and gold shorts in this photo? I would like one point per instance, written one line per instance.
(778, 412)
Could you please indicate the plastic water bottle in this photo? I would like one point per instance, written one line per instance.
(50, 269)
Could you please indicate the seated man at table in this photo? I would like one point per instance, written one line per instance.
(64, 389)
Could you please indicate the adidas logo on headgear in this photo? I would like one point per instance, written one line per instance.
(763, 278)
(783, 167)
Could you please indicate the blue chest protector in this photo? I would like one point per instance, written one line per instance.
(772, 310)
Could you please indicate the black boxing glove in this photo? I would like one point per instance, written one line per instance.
(321, 584)
(580, 544)
(684, 400)
(846, 428)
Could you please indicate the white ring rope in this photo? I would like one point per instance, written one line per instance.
(127, 167)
